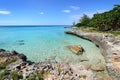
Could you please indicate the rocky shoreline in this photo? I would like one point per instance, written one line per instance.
(109, 47)
(18, 68)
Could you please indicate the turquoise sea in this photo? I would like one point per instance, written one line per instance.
(45, 43)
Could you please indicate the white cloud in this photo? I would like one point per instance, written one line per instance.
(41, 13)
(75, 7)
(66, 11)
(5, 12)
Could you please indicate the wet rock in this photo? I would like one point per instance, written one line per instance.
(98, 67)
(83, 58)
(87, 65)
(14, 52)
(2, 50)
(22, 56)
(77, 49)
(21, 43)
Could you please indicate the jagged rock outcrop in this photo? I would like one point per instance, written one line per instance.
(77, 49)
(4, 53)
(43, 70)
(109, 47)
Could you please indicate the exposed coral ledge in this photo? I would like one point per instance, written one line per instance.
(109, 47)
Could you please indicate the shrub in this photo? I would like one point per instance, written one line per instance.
(15, 76)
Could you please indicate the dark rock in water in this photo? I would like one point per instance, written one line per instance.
(2, 50)
(30, 62)
(21, 43)
(14, 52)
(22, 56)
(97, 45)
(97, 67)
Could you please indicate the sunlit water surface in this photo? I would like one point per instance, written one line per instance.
(46, 43)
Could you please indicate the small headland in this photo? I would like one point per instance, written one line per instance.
(109, 47)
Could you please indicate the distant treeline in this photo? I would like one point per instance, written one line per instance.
(106, 21)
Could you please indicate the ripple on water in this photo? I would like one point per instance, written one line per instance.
(46, 44)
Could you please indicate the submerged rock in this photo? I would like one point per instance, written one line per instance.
(20, 41)
(14, 52)
(51, 57)
(98, 67)
(77, 49)
(2, 50)
(83, 58)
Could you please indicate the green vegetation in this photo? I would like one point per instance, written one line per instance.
(116, 33)
(3, 75)
(11, 76)
(84, 21)
(4, 64)
(107, 21)
(39, 75)
(59, 70)
(15, 76)
(32, 77)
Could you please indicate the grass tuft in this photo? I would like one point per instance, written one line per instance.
(4, 64)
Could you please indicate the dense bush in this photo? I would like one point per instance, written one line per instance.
(106, 21)
(84, 21)
(15, 76)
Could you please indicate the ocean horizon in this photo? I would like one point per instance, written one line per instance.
(34, 25)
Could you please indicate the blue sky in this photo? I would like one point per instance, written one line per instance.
(50, 12)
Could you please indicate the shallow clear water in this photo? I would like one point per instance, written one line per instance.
(45, 43)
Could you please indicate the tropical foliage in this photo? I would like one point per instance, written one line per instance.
(109, 20)
(83, 21)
